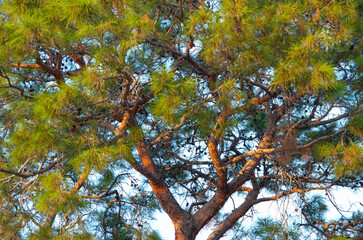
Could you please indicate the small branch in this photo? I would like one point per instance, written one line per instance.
(265, 98)
(181, 123)
(71, 73)
(327, 137)
(257, 84)
(104, 216)
(190, 45)
(191, 162)
(289, 192)
(197, 65)
(195, 204)
(26, 175)
(315, 227)
(245, 189)
(350, 224)
(318, 123)
(50, 86)
(106, 194)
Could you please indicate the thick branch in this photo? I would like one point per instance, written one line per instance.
(82, 179)
(160, 189)
(234, 216)
(266, 141)
(214, 154)
(57, 74)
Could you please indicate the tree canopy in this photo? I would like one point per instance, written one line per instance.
(111, 110)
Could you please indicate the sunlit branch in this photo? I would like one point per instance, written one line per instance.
(248, 154)
(289, 192)
(25, 65)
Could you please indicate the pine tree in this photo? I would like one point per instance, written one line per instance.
(111, 110)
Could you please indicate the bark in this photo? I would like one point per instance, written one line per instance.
(82, 179)
(25, 65)
(234, 216)
(210, 209)
(161, 190)
(185, 229)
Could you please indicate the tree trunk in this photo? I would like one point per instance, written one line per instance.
(185, 230)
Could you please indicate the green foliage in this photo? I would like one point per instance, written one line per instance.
(75, 236)
(340, 238)
(275, 75)
(27, 22)
(315, 208)
(153, 236)
(319, 77)
(356, 125)
(97, 157)
(346, 158)
(53, 196)
(53, 106)
(257, 121)
(173, 97)
(269, 229)
(10, 220)
(43, 233)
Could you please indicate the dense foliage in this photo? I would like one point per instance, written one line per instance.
(111, 110)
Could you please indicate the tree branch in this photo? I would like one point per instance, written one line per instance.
(327, 137)
(289, 192)
(242, 157)
(160, 189)
(235, 215)
(195, 204)
(25, 65)
(26, 175)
